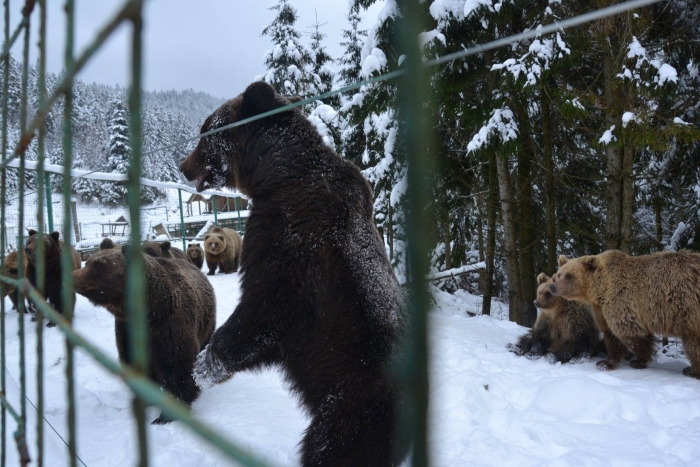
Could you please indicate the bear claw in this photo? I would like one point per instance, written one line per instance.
(606, 365)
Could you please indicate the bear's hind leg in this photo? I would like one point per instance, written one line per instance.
(345, 432)
(691, 347)
(174, 373)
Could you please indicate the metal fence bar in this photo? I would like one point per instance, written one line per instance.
(182, 220)
(137, 327)
(3, 232)
(67, 255)
(214, 202)
(10, 41)
(41, 259)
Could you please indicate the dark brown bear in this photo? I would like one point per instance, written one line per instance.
(318, 294)
(196, 254)
(108, 244)
(164, 250)
(53, 285)
(11, 272)
(565, 330)
(222, 247)
(181, 314)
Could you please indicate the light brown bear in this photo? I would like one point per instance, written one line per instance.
(196, 254)
(222, 248)
(638, 296)
(564, 329)
(11, 268)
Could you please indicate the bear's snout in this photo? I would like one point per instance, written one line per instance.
(537, 304)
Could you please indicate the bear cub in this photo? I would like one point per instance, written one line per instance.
(164, 250)
(222, 248)
(181, 314)
(564, 329)
(196, 254)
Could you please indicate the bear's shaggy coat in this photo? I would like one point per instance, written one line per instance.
(318, 294)
(181, 314)
(222, 247)
(564, 329)
(196, 254)
(639, 296)
(11, 270)
(164, 250)
(53, 285)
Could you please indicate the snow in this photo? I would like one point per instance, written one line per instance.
(679, 121)
(607, 137)
(373, 63)
(628, 117)
(502, 123)
(488, 407)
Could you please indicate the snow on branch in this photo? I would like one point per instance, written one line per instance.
(501, 123)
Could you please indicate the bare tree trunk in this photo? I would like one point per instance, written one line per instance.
(550, 213)
(613, 224)
(627, 218)
(491, 214)
(390, 233)
(511, 242)
(659, 226)
(447, 238)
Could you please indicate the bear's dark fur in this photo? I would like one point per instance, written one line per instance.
(53, 285)
(196, 254)
(12, 272)
(318, 294)
(108, 244)
(181, 314)
(222, 249)
(164, 250)
(565, 330)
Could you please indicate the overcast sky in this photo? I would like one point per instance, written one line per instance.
(207, 45)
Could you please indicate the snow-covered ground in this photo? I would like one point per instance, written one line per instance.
(488, 407)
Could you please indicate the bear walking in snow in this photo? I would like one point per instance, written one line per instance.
(637, 297)
(222, 248)
(564, 329)
(181, 314)
(53, 285)
(318, 294)
(196, 254)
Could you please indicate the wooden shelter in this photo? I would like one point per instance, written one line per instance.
(223, 204)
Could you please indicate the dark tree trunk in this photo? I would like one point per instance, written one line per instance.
(550, 213)
(491, 215)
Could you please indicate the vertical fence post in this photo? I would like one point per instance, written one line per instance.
(49, 206)
(136, 288)
(182, 220)
(3, 231)
(41, 274)
(214, 203)
(238, 208)
(413, 94)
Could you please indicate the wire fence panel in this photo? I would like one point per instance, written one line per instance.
(44, 199)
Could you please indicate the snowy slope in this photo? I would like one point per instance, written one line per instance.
(488, 407)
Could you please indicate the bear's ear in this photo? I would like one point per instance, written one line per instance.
(206, 237)
(562, 260)
(542, 278)
(125, 249)
(55, 235)
(590, 263)
(258, 98)
(31, 232)
(165, 246)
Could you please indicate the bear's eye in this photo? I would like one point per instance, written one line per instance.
(568, 276)
(547, 295)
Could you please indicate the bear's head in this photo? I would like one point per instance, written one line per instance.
(574, 278)
(52, 248)
(220, 159)
(545, 300)
(107, 244)
(194, 251)
(214, 243)
(103, 280)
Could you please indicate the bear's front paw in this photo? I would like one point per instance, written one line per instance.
(581, 358)
(607, 365)
(210, 273)
(638, 364)
(209, 370)
(162, 420)
(50, 324)
(515, 348)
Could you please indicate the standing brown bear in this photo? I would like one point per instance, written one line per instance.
(196, 254)
(53, 285)
(181, 314)
(223, 250)
(164, 250)
(318, 295)
(564, 329)
(639, 296)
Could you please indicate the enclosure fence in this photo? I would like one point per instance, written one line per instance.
(413, 370)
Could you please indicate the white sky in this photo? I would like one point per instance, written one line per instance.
(207, 45)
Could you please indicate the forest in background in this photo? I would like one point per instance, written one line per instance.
(571, 143)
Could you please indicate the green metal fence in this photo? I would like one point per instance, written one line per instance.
(412, 92)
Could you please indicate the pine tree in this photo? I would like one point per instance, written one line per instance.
(119, 149)
(287, 63)
(321, 74)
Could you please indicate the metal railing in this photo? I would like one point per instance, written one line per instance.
(414, 368)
